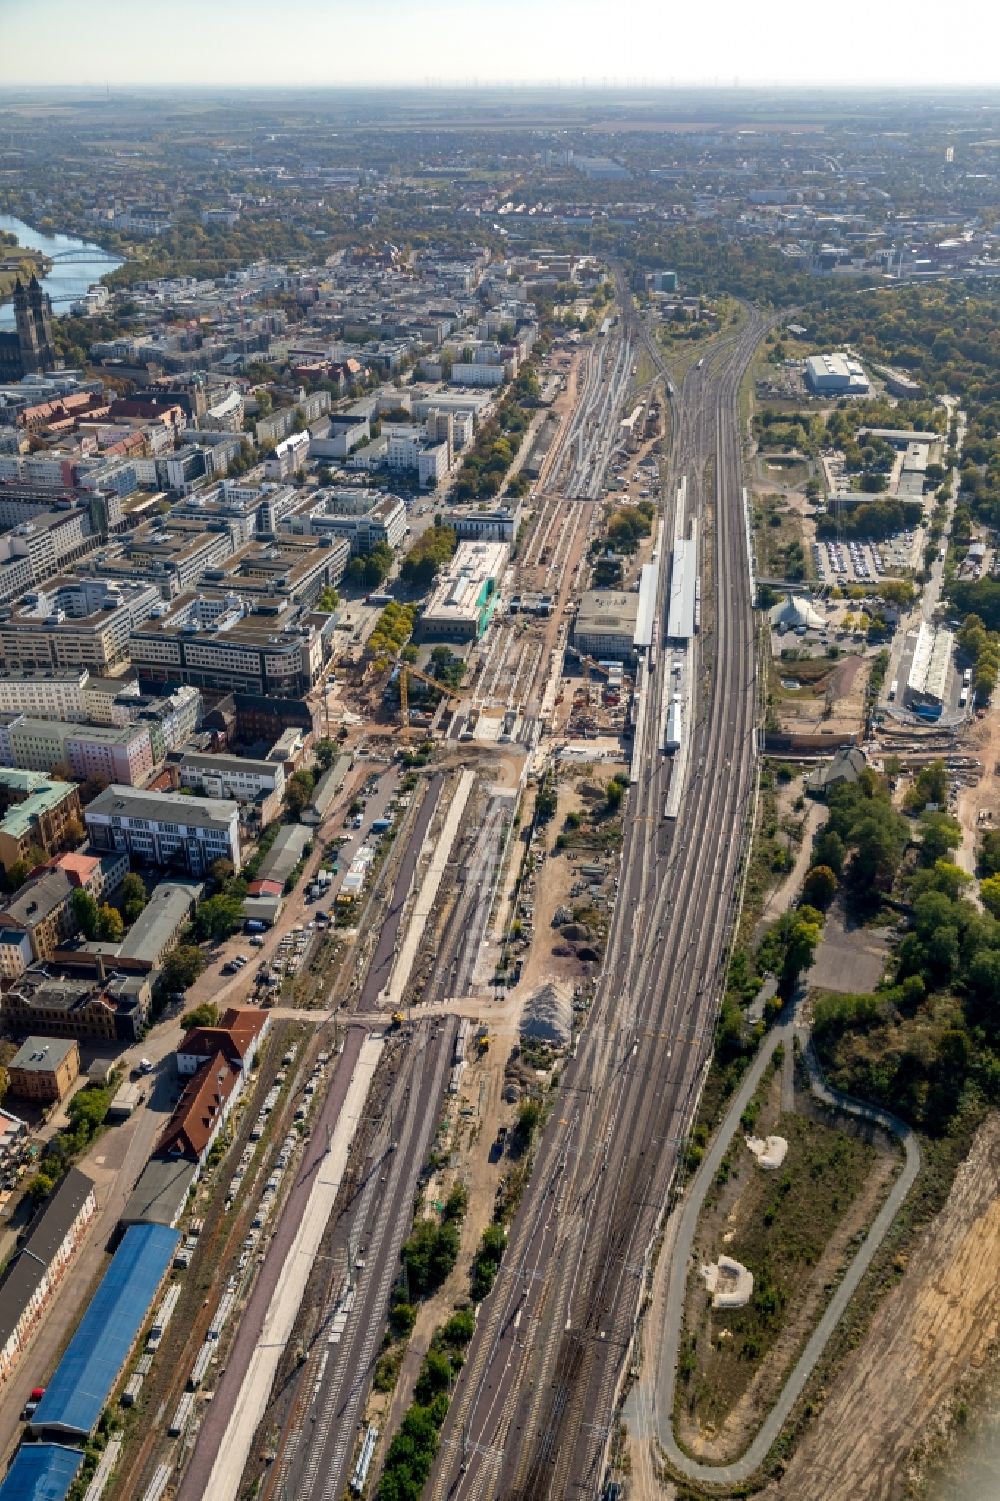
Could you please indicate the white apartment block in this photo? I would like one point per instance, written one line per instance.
(165, 829)
(236, 777)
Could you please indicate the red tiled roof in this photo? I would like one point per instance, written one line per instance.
(233, 1038)
(190, 1128)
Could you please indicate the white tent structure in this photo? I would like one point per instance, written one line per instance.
(797, 610)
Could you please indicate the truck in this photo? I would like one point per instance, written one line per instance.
(254, 925)
(128, 1099)
(381, 825)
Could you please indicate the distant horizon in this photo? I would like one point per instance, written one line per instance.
(584, 85)
(466, 44)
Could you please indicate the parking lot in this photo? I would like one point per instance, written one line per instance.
(864, 559)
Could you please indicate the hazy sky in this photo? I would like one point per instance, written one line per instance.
(406, 41)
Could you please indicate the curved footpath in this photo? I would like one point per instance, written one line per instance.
(740, 1470)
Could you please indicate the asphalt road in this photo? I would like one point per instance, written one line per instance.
(533, 1410)
(380, 969)
(115, 1163)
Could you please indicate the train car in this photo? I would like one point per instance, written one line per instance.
(675, 726)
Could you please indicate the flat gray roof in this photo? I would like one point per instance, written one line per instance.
(161, 1192)
(683, 575)
(173, 806)
(607, 612)
(42, 1054)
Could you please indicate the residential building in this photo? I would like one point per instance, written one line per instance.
(40, 1263)
(41, 910)
(165, 829)
(44, 1069)
(119, 755)
(38, 918)
(49, 696)
(236, 777)
(39, 817)
(414, 450)
(78, 1003)
(13, 1139)
(474, 374)
(101, 875)
(465, 597)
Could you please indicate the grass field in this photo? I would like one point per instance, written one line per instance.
(793, 1229)
(781, 547)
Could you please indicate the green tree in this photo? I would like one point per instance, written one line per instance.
(133, 897)
(486, 1262)
(205, 1015)
(182, 966)
(989, 891)
(219, 917)
(299, 791)
(803, 935)
(940, 834)
(989, 853)
(325, 752)
(85, 912)
(931, 786)
(819, 887)
(40, 1186)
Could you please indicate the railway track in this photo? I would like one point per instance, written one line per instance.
(533, 1413)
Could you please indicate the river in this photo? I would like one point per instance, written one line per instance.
(64, 283)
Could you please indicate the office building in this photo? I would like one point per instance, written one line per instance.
(224, 644)
(605, 624)
(236, 777)
(463, 601)
(73, 622)
(486, 524)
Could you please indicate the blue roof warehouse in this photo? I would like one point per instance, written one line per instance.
(86, 1376)
(41, 1472)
